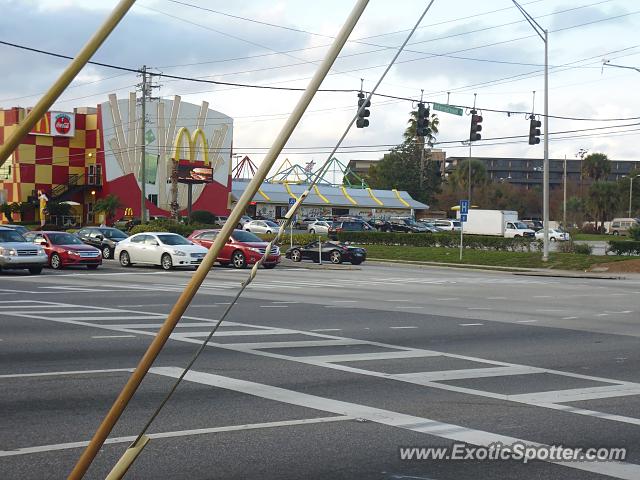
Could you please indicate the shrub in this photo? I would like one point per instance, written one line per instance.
(298, 238)
(624, 247)
(146, 227)
(582, 248)
(50, 227)
(202, 216)
(476, 242)
(167, 225)
(634, 232)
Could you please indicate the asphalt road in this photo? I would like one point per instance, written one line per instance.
(321, 373)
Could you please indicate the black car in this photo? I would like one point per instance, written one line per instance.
(104, 238)
(126, 223)
(407, 225)
(380, 224)
(331, 251)
(349, 226)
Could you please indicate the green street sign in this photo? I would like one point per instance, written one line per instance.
(149, 136)
(447, 109)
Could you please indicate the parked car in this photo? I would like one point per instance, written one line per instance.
(16, 253)
(621, 226)
(126, 224)
(261, 226)
(64, 249)
(21, 229)
(220, 220)
(319, 226)
(534, 225)
(244, 219)
(241, 249)
(168, 250)
(448, 225)
(407, 225)
(430, 226)
(555, 235)
(348, 226)
(304, 222)
(331, 251)
(262, 217)
(380, 224)
(104, 238)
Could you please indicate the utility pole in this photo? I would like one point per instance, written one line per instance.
(143, 149)
(145, 87)
(564, 194)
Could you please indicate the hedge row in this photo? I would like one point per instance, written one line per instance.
(298, 238)
(184, 229)
(477, 242)
(624, 247)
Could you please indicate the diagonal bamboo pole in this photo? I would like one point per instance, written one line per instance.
(198, 277)
(65, 79)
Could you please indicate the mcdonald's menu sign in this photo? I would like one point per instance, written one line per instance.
(56, 124)
(194, 172)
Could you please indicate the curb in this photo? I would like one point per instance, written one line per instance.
(510, 270)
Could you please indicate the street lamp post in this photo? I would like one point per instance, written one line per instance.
(544, 35)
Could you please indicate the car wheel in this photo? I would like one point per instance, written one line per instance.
(238, 259)
(166, 262)
(239, 226)
(106, 252)
(125, 260)
(268, 232)
(335, 257)
(387, 230)
(516, 236)
(296, 255)
(616, 233)
(92, 267)
(55, 262)
(35, 270)
(312, 231)
(552, 239)
(270, 266)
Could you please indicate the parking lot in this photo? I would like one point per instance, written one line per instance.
(321, 373)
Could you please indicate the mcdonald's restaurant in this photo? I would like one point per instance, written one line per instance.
(70, 160)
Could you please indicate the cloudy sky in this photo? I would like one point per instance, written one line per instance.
(462, 47)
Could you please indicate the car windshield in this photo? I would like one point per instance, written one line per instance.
(521, 226)
(113, 233)
(242, 236)
(10, 236)
(456, 223)
(271, 224)
(173, 240)
(64, 239)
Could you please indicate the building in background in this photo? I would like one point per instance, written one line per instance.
(78, 157)
(361, 167)
(527, 172)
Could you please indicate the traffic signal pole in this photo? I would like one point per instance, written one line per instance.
(200, 274)
(77, 64)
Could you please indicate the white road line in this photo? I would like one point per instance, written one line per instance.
(569, 318)
(578, 394)
(113, 336)
(284, 302)
(400, 328)
(395, 300)
(174, 434)
(542, 296)
(409, 307)
(496, 298)
(551, 310)
(448, 299)
(526, 321)
(326, 330)
(627, 471)
(471, 324)
(69, 372)
(300, 344)
(344, 301)
(148, 305)
(274, 306)
(478, 308)
(363, 357)
(443, 375)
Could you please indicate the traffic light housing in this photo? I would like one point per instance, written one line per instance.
(476, 120)
(534, 131)
(362, 121)
(422, 122)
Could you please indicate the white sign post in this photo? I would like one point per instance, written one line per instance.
(464, 210)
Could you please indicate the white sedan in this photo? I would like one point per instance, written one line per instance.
(319, 226)
(555, 235)
(261, 226)
(168, 250)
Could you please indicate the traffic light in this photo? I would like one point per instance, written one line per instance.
(362, 121)
(534, 131)
(476, 120)
(422, 122)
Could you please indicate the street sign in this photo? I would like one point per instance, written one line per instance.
(464, 207)
(292, 202)
(447, 109)
(463, 217)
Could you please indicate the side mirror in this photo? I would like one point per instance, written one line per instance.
(155, 244)
(100, 237)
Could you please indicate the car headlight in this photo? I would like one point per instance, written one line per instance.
(9, 252)
(71, 252)
(257, 250)
(179, 253)
(41, 251)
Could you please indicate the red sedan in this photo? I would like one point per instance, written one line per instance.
(65, 249)
(242, 249)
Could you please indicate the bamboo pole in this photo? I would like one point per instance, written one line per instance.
(65, 79)
(200, 274)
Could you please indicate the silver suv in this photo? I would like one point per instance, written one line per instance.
(17, 253)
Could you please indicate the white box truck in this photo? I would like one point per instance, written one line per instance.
(503, 223)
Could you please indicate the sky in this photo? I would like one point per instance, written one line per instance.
(463, 51)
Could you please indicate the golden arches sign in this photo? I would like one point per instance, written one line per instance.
(192, 143)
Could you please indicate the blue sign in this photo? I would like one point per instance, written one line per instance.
(292, 202)
(463, 217)
(464, 207)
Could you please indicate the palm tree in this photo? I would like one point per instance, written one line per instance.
(460, 176)
(432, 129)
(596, 166)
(109, 205)
(604, 198)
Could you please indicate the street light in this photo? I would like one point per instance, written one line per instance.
(544, 35)
(631, 178)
